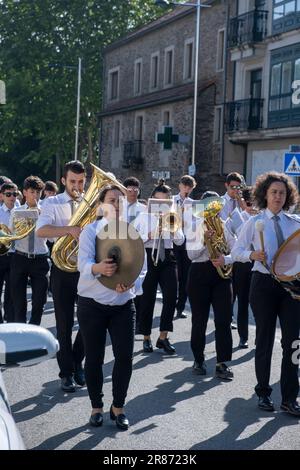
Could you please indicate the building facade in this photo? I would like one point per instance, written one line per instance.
(262, 111)
(147, 115)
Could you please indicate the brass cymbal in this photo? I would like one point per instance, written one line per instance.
(128, 252)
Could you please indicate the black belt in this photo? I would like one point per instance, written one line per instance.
(31, 255)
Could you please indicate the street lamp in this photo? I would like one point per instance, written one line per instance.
(78, 99)
(198, 5)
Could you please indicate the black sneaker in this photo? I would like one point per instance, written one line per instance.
(181, 314)
(223, 372)
(199, 368)
(68, 384)
(147, 346)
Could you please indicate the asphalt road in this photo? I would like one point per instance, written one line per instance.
(168, 407)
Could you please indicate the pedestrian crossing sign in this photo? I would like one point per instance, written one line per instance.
(292, 164)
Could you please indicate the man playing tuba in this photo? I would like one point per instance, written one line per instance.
(52, 224)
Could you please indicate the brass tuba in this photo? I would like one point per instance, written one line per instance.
(65, 249)
(23, 226)
(217, 245)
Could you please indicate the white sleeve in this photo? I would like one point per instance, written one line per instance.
(240, 251)
(87, 252)
(47, 215)
(139, 282)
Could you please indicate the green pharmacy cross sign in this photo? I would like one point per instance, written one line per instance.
(168, 138)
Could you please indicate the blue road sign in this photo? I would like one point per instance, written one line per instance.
(292, 163)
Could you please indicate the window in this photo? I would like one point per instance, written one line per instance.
(218, 124)
(221, 50)
(117, 128)
(286, 15)
(154, 73)
(169, 66)
(138, 77)
(188, 72)
(113, 84)
(166, 118)
(139, 128)
(285, 69)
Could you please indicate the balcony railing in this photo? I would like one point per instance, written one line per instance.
(244, 115)
(133, 154)
(248, 28)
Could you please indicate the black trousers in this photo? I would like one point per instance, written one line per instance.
(206, 288)
(183, 265)
(163, 274)
(64, 292)
(269, 300)
(36, 269)
(5, 264)
(242, 279)
(95, 320)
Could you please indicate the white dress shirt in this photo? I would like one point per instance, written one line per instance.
(249, 235)
(131, 211)
(201, 255)
(56, 210)
(229, 206)
(88, 285)
(40, 244)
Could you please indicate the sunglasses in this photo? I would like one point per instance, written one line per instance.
(8, 194)
(135, 190)
(235, 186)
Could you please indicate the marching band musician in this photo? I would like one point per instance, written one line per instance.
(207, 288)
(9, 192)
(274, 193)
(100, 310)
(53, 223)
(131, 206)
(231, 197)
(163, 274)
(30, 260)
(186, 185)
(242, 272)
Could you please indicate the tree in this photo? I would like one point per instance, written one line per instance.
(37, 41)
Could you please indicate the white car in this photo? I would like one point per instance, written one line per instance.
(20, 345)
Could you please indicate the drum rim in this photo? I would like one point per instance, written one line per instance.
(282, 277)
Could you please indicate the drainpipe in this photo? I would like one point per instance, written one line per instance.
(222, 145)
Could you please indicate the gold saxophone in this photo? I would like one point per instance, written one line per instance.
(65, 249)
(217, 244)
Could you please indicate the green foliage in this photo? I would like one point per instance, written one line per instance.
(39, 39)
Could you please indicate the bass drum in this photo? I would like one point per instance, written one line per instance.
(286, 265)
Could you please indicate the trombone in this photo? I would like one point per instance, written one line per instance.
(167, 222)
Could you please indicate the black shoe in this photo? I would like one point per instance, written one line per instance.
(199, 368)
(96, 420)
(68, 384)
(243, 344)
(165, 344)
(233, 326)
(79, 375)
(223, 372)
(147, 346)
(181, 314)
(265, 403)
(121, 420)
(291, 407)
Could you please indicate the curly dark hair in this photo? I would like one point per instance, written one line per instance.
(264, 181)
